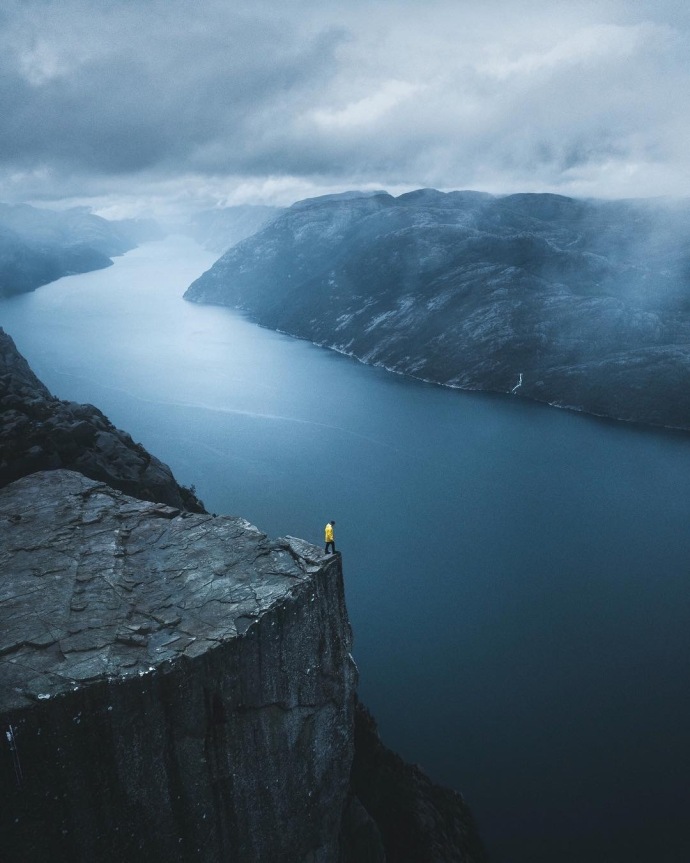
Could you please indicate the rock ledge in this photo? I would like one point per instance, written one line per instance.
(171, 683)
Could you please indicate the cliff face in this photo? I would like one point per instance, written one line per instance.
(173, 686)
(176, 686)
(41, 432)
(581, 304)
(417, 821)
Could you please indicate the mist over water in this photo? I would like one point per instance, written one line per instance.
(516, 576)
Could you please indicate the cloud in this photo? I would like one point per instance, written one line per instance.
(369, 109)
(205, 99)
(136, 91)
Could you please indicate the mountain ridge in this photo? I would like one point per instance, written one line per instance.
(575, 303)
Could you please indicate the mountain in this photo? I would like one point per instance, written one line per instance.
(581, 304)
(39, 246)
(223, 227)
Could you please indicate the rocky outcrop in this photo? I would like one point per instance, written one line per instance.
(178, 686)
(41, 432)
(580, 304)
(172, 686)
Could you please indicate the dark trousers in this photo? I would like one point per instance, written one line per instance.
(332, 545)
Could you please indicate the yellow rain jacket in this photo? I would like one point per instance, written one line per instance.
(329, 532)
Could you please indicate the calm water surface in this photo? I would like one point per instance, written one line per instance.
(517, 577)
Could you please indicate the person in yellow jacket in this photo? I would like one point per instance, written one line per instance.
(330, 539)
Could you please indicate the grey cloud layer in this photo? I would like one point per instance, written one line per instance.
(177, 89)
(589, 100)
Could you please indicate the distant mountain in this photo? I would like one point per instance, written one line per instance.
(221, 228)
(581, 304)
(38, 246)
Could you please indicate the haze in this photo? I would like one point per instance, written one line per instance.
(148, 107)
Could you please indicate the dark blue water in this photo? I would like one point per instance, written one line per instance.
(517, 577)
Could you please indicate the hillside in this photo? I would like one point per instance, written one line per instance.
(580, 304)
(221, 228)
(39, 246)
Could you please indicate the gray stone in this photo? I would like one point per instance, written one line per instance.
(172, 686)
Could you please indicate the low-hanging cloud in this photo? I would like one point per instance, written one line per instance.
(100, 98)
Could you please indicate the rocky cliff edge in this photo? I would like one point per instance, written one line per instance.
(172, 686)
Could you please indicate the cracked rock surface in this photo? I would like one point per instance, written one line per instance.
(171, 684)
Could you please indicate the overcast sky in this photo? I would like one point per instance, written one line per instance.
(138, 105)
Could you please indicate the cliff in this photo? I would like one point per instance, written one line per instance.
(41, 432)
(177, 686)
(579, 304)
(174, 686)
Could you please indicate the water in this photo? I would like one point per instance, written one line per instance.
(517, 577)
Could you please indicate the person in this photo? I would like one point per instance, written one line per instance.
(330, 539)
